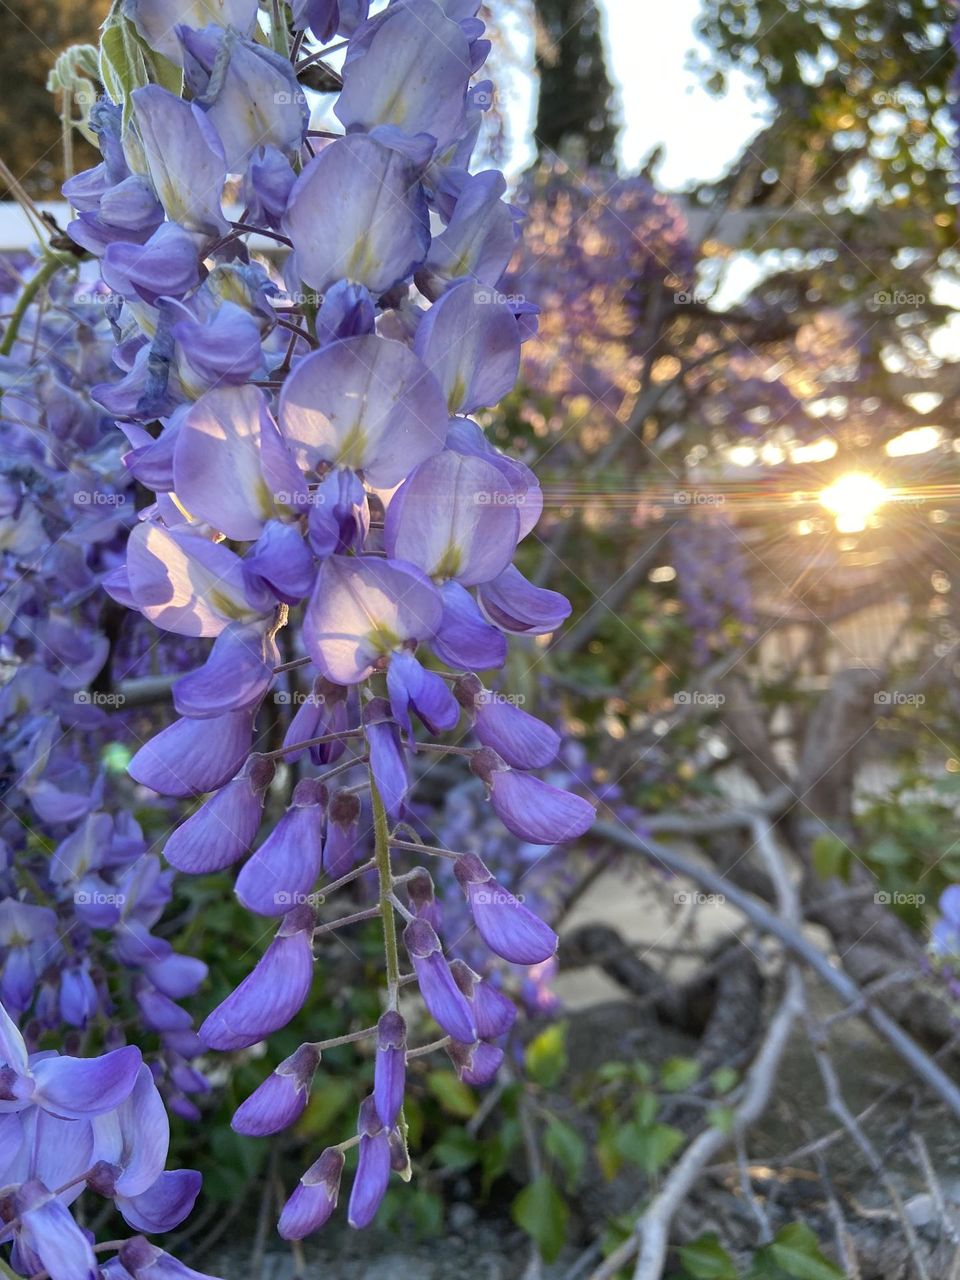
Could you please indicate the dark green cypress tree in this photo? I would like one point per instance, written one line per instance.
(574, 114)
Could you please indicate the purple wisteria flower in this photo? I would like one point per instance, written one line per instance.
(328, 517)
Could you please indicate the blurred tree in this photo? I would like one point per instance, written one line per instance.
(860, 103)
(31, 36)
(574, 113)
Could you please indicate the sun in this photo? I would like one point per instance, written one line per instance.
(852, 499)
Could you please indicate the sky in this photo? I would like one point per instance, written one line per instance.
(660, 100)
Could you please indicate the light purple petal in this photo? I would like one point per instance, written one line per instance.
(538, 812)
(375, 229)
(282, 1097)
(464, 638)
(190, 757)
(516, 605)
(185, 584)
(365, 403)
(49, 1231)
(268, 997)
(362, 608)
(455, 517)
(412, 73)
(508, 928)
(184, 158)
(286, 866)
(445, 1001)
(156, 20)
(470, 341)
(235, 675)
(77, 1088)
(164, 1205)
(314, 1198)
(524, 741)
(220, 437)
(135, 1136)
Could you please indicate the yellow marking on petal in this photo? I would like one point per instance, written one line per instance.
(228, 606)
(457, 392)
(353, 449)
(448, 566)
(383, 639)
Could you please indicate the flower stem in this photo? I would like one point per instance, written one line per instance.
(381, 835)
(51, 266)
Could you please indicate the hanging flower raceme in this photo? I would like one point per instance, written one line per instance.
(74, 1123)
(322, 493)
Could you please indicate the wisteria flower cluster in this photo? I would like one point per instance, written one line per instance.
(325, 504)
(73, 1123)
(75, 863)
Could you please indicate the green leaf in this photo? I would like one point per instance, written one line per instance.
(888, 852)
(706, 1259)
(649, 1146)
(646, 1107)
(608, 1155)
(452, 1094)
(723, 1079)
(496, 1152)
(678, 1074)
(456, 1149)
(722, 1118)
(540, 1211)
(426, 1210)
(795, 1249)
(128, 63)
(831, 857)
(567, 1148)
(546, 1057)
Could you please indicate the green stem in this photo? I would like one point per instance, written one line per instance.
(381, 851)
(31, 289)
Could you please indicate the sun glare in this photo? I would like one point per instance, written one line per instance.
(852, 499)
